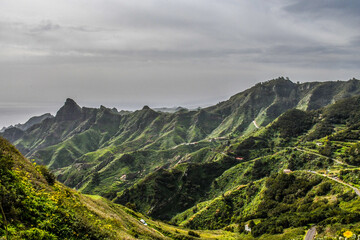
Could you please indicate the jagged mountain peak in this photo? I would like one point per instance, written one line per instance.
(102, 107)
(70, 111)
(70, 101)
(146, 107)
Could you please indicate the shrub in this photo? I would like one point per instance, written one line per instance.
(35, 233)
(229, 229)
(194, 234)
(49, 176)
(131, 206)
(324, 188)
(95, 180)
(241, 227)
(251, 224)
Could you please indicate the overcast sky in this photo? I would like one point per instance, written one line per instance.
(128, 53)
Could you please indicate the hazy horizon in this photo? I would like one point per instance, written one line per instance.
(20, 113)
(24, 113)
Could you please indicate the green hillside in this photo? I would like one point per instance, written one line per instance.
(244, 191)
(79, 143)
(34, 206)
(215, 169)
(281, 201)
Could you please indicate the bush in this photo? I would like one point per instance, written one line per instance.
(229, 229)
(241, 227)
(131, 206)
(324, 188)
(251, 224)
(6, 163)
(49, 176)
(95, 180)
(35, 233)
(194, 234)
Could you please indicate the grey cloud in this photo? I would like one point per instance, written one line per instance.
(355, 42)
(343, 12)
(316, 7)
(129, 53)
(315, 57)
(320, 50)
(45, 26)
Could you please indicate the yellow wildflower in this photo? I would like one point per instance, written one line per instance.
(348, 234)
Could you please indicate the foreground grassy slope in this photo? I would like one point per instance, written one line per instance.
(34, 209)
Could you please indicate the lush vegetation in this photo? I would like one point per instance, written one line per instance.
(209, 169)
(171, 191)
(78, 142)
(32, 208)
(282, 201)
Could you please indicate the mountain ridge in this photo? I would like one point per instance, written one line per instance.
(28, 124)
(189, 166)
(79, 136)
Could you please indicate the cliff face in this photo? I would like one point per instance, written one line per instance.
(69, 112)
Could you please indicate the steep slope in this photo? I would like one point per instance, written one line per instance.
(244, 191)
(266, 101)
(168, 192)
(322, 142)
(33, 207)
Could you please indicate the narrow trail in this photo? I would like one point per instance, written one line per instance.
(318, 154)
(357, 191)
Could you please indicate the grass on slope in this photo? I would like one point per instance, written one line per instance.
(34, 209)
(277, 205)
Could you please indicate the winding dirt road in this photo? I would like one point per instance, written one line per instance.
(310, 235)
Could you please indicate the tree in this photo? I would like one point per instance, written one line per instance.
(49, 176)
(95, 179)
(251, 224)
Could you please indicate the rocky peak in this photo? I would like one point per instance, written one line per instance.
(70, 111)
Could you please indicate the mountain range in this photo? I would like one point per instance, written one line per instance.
(270, 156)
